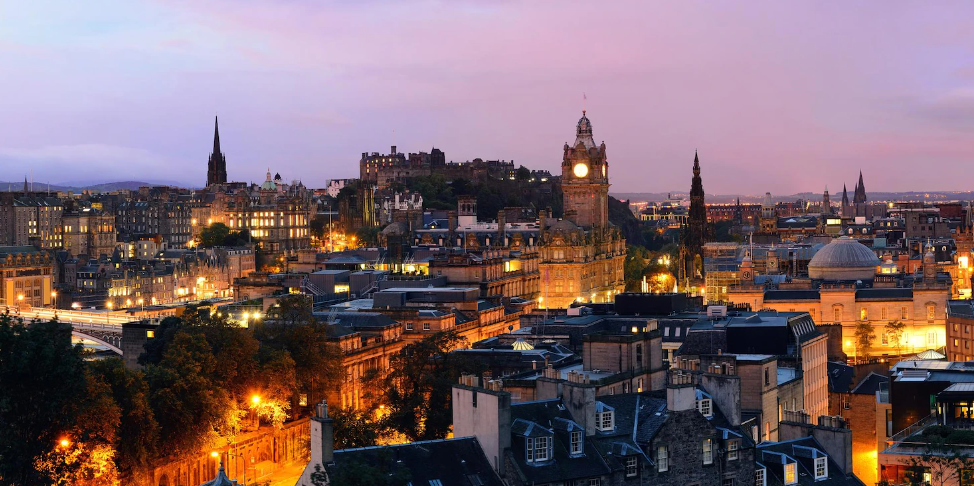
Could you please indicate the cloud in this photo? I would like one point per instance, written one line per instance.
(91, 160)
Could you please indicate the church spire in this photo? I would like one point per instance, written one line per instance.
(216, 170)
(216, 134)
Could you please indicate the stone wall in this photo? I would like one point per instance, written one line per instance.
(253, 456)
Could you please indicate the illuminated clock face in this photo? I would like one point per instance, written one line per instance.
(580, 170)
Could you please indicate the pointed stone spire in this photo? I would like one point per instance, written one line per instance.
(860, 195)
(216, 135)
(696, 164)
(25, 185)
(216, 170)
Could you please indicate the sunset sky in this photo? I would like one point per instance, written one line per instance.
(776, 96)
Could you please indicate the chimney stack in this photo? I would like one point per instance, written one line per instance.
(322, 436)
(681, 394)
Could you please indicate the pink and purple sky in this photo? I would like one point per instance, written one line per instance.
(777, 96)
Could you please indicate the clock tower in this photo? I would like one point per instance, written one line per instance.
(585, 179)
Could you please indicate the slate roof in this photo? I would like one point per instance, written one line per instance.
(562, 465)
(773, 455)
(840, 377)
(787, 295)
(363, 319)
(871, 384)
(883, 294)
(448, 462)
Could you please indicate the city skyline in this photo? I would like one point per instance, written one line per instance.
(305, 89)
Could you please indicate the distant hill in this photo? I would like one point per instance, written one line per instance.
(933, 196)
(78, 187)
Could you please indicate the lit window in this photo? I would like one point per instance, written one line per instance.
(576, 442)
(732, 452)
(631, 466)
(863, 314)
(662, 459)
(821, 467)
(708, 451)
(150, 334)
(790, 476)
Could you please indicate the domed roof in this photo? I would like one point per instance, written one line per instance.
(398, 228)
(583, 132)
(522, 345)
(843, 259)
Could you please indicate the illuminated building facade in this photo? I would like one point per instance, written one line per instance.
(90, 232)
(844, 289)
(582, 255)
(26, 276)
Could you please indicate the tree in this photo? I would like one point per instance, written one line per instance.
(317, 226)
(137, 427)
(942, 461)
(355, 429)
(368, 235)
(213, 235)
(864, 339)
(894, 331)
(48, 396)
(418, 389)
(523, 173)
(290, 326)
(187, 404)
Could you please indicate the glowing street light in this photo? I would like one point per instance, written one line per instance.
(64, 442)
(214, 454)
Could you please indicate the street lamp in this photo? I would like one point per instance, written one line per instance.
(255, 401)
(20, 300)
(64, 442)
(108, 314)
(142, 304)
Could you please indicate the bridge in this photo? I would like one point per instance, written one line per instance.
(102, 328)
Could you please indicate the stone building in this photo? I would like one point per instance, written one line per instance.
(582, 255)
(26, 276)
(860, 395)
(90, 232)
(30, 218)
(844, 289)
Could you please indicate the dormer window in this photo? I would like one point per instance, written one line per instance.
(791, 475)
(706, 407)
(576, 442)
(821, 468)
(605, 421)
(537, 449)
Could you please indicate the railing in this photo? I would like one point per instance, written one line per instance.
(918, 426)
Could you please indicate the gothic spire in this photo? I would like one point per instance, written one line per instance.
(217, 165)
(216, 134)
